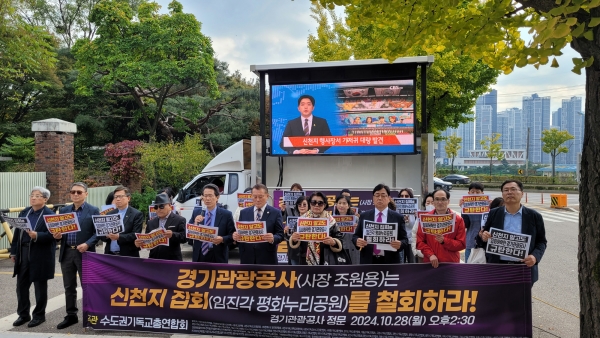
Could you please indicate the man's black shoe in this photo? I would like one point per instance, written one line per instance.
(35, 322)
(69, 320)
(20, 321)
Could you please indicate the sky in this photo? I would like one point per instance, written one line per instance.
(260, 32)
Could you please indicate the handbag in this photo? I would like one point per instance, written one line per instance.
(338, 258)
(477, 256)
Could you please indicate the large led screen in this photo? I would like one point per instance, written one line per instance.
(374, 117)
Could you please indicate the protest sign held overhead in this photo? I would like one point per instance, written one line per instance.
(292, 223)
(63, 224)
(153, 239)
(475, 204)
(290, 197)
(251, 232)
(437, 224)
(245, 200)
(380, 234)
(18, 222)
(345, 223)
(107, 208)
(508, 244)
(407, 206)
(313, 229)
(108, 224)
(201, 232)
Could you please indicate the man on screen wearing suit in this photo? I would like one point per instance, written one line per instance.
(369, 253)
(214, 216)
(123, 244)
(174, 226)
(305, 125)
(72, 245)
(261, 253)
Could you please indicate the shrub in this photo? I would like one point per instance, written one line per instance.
(123, 158)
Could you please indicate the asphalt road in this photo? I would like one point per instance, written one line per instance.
(555, 295)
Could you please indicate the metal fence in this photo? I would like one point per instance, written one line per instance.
(97, 196)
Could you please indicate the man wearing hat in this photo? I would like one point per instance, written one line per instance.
(174, 226)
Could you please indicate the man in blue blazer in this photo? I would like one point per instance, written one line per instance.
(261, 253)
(212, 215)
(72, 245)
(515, 217)
(305, 125)
(123, 244)
(369, 254)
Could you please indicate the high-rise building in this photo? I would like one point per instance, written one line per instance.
(510, 126)
(572, 120)
(483, 124)
(557, 118)
(468, 135)
(536, 117)
(490, 99)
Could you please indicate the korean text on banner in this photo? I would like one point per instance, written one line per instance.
(153, 239)
(245, 200)
(508, 244)
(313, 229)
(63, 223)
(18, 222)
(108, 224)
(290, 197)
(345, 223)
(381, 234)
(251, 232)
(407, 206)
(437, 224)
(201, 232)
(475, 204)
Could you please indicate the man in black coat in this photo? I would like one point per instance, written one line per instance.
(369, 254)
(174, 226)
(72, 245)
(515, 217)
(33, 253)
(261, 253)
(305, 125)
(123, 244)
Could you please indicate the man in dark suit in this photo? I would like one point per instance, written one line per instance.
(123, 244)
(214, 216)
(305, 125)
(515, 217)
(261, 253)
(72, 245)
(174, 226)
(33, 253)
(369, 254)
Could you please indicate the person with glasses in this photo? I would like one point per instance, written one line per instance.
(427, 206)
(515, 217)
(445, 248)
(261, 253)
(72, 245)
(217, 217)
(319, 253)
(300, 208)
(369, 253)
(33, 253)
(409, 222)
(472, 222)
(174, 226)
(123, 244)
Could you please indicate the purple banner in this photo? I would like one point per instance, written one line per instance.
(122, 293)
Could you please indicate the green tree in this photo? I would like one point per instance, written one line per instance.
(454, 82)
(453, 145)
(491, 31)
(151, 57)
(493, 148)
(553, 140)
(21, 149)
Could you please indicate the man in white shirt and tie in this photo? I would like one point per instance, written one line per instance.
(305, 125)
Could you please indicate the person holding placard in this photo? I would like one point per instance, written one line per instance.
(409, 222)
(319, 253)
(33, 253)
(287, 210)
(442, 248)
(472, 222)
(516, 218)
(300, 209)
(174, 226)
(370, 253)
(123, 244)
(427, 206)
(261, 253)
(343, 207)
(72, 245)
(217, 217)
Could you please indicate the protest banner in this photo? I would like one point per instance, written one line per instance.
(153, 239)
(201, 232)
(475, 204)
(361, 199)
(251, 232)
(107, 208)
(313, 229)
(245, 200)
(345, 223)
(484, 218)
(508, 244)
(407, 206)
(292, 223)
(63, 223)
(454, 300)
(18, 222)
(381, 234)
(437, 224)
(108, 224)
(290, 197)
(151, 211)
(282, 257)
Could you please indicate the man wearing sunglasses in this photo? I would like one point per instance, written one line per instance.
(123, 244)
(72, 245)
(174, 226)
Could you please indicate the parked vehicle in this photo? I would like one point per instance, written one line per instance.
(440, 184)
(457, 179)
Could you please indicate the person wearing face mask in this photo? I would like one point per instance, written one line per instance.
(300, 208)
(409, 222)
(319, 253)
(343, 206)
(428, 206)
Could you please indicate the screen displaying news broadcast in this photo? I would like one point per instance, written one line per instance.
(375, 117)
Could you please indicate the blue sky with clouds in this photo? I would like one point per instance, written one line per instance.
(247, 32)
